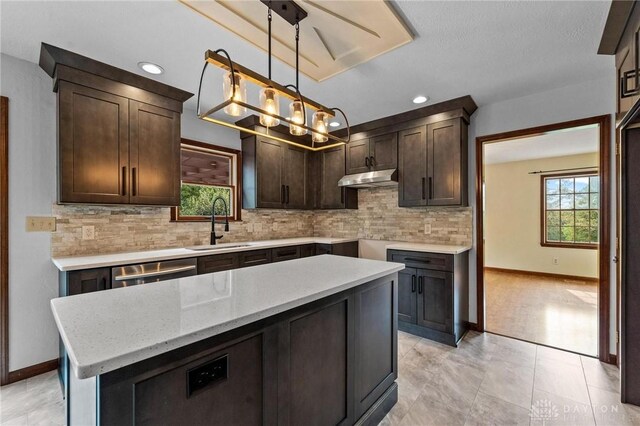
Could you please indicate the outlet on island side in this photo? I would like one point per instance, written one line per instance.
(88, 232)
(555, 261)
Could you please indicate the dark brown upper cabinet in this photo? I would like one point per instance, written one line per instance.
(412, 167)
(276, 174)
(118, 133)
(332, 169)
(432, 167)
(375, 153)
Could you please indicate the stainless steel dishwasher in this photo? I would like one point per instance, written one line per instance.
(125, 276)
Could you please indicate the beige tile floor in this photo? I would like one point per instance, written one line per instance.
(549, 311)
(494, 380)
(487, 380)
(35, 401)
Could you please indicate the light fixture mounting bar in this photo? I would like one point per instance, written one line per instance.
(221, 61)
(287, 9)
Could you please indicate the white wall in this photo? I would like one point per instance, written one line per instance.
(564, 104)
(204, 131)
(33, 282)
(512, 219)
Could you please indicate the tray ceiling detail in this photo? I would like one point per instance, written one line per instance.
(335, 36)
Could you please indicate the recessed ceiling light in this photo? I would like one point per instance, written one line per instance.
(420, 99)
(334, 124)
(151, 68)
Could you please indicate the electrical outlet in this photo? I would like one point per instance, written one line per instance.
(88, 232)
(427, 228)
(41, 224)
(555, 261)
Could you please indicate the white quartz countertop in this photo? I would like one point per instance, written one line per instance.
(99, 261)
(109, 329)
(429, 248)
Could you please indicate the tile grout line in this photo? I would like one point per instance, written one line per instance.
(533, 384)
(593, 412)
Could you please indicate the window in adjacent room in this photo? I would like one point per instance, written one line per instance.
(207, 171)
(570, 210)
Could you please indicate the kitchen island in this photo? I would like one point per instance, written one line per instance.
(306, 341)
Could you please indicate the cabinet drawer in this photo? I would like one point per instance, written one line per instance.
(218, 262)
(414, 259)
(285, 253)
(308, 250)
(323, 249)
(255, 257)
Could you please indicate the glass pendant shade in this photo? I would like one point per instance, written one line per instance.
(320, 123)
(296, 112)
(270, 102)
(240, 95)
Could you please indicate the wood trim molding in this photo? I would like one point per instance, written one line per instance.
(541, 274)
(604, 121)
(4, 240)
(32, 371)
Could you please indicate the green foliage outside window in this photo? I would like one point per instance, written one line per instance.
(572, 209)
(196, 200)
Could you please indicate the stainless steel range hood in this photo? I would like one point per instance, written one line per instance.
(370, 179)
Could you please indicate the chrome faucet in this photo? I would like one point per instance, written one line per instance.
(214, 238)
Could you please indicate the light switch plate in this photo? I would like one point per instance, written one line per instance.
(427, 228)
(88, 232)
(41, 224)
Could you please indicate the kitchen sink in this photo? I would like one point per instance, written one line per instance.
(217, 247)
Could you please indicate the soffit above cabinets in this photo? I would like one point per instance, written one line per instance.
(334, 37)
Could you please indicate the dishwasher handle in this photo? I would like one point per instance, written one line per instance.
(155, 273)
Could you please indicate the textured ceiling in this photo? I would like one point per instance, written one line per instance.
(490, 50)
(578, 140)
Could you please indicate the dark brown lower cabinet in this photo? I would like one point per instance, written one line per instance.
(433, 294)
(217, 263)
(254, 257)
(333, 361)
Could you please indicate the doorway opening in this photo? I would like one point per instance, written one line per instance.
(543, 235)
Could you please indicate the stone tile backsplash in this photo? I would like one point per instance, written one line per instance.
(131, 228)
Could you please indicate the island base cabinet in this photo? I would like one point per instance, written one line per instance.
(329, 362)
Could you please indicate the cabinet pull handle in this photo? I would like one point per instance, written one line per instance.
(342, 195)
(134, 182)
(423, 188)
(282, 198)
(419, 285)
(372, 161)
(287, 194)
(413, 259)
(124, 180)
(430, 187)
(366, 161)
(413, 284)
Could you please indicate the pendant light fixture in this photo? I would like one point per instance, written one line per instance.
(236, 103)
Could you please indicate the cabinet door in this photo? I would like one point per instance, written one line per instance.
(407, 292)
(435, 300)
(357, 156)
(154, 155)
(88, 281)
(332, 196)
(384, 151)
(412, 167)
(296, 176)
(444, 159)
(270, 173)
(93, 145)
